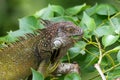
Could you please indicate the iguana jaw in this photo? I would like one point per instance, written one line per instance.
(77, 36)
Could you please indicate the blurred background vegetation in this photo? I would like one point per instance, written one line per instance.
(12, 10)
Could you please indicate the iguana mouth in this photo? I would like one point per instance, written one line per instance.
(76, 37)
(78, 34)
(54, 54)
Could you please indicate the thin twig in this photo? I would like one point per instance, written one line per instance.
(97, 65)
(106, 70)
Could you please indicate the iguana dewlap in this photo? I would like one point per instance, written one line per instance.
(50, 45)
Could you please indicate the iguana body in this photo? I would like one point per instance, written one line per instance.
(50, 45)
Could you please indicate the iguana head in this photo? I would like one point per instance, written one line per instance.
(61, 33)
(55, 39)
(68, 29)
(66, 33)
(64, 38)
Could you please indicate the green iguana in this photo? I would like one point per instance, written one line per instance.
(49, 46)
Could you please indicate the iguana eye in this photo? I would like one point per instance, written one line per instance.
(69, 29)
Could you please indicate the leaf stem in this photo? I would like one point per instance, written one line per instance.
(112, 50)
(111, 59)
(68, 57)
(85, 39)
(90, 42)
(115, 15)
(100, 50)
(91, 53)
(112, 68)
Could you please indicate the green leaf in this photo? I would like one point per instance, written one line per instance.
(114, 74)
(72, 52)
(45, 13)
(105, 9)
(90, 60)
(118, 56)
(92, 10)
(12, 36)
(75, 51)
(49, 12)
(63, 18)
(82, 52)
(72, 76)
(92, 56)
(58, 9)
(28, 24)
(74, 10)
(116, 24)
(89, 22)
(37, 75)
(81, 44)
(88, 25)
(99, 20)
(3, 39)
(104, 30)
(109, 40)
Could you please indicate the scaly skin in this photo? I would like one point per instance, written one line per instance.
(50, 45)
(16, 61)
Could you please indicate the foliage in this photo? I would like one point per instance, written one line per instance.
(36, 75)
(72, 76)
(101, 39)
